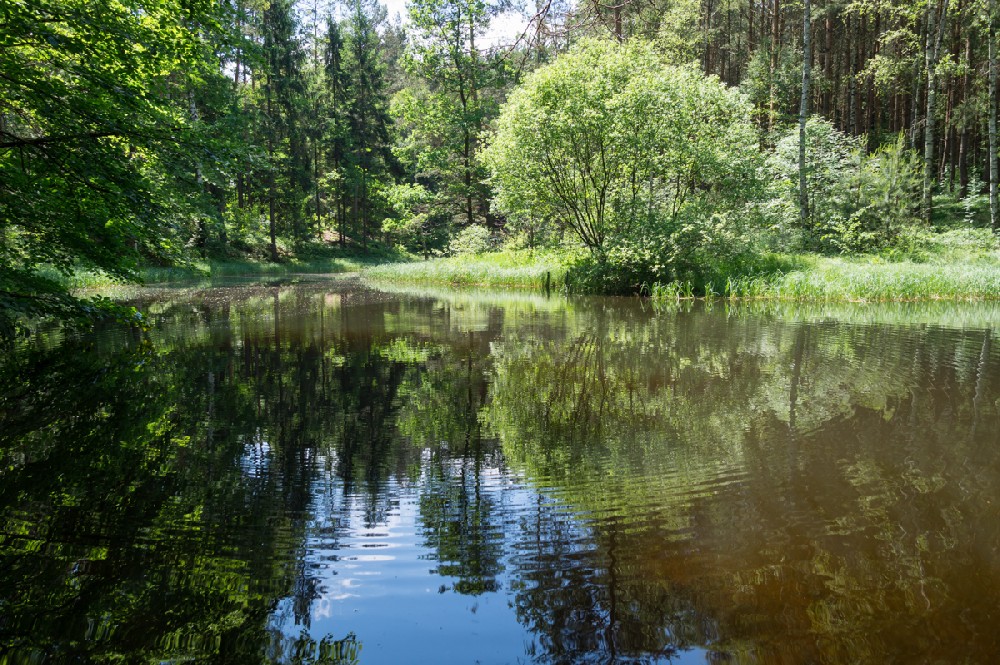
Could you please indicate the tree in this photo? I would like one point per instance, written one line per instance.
(575, 144)
(418, 219)
(994, 165)
(284, 89)
(937, 14)
(368, 124)
(804, 113)
(857, 201)
(459, 77)
(335, 82)
(88, 130)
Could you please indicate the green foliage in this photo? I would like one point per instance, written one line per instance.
(886, 185)
(832, 159)
(91, 135)
(841, 279)
(473, 239)
(783, 85)
(963, 245)
(369, 157)
(678, 37)
(651, 200)
(418, 220)
(254, 130)
(857, 202)
(963, 264)
(284, 138)
(953, 210)
(247, 232)
(697, 270)
(443, 118)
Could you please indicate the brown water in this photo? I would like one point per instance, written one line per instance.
(326, 472)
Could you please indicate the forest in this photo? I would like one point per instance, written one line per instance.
(647, 144)
(783, 450)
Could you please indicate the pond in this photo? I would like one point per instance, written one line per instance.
(326, 471)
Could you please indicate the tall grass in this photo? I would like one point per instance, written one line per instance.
(956, 265)
(962, 264)
(951, 266)
(508, 269)
(831, 279)
(853, 280)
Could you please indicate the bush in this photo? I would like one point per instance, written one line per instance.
(654, 168)
(246, 232)
(418, 222)
(701, 266)
(473, 239)
(857, 202)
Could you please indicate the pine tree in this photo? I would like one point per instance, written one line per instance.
(283, 95)
(368, 137)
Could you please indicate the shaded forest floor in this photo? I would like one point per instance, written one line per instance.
(325, 261)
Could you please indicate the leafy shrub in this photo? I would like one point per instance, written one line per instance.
(473, 239)
(654, 168)
(418, 221)
(857, 202)
(246, 232)
(963, 244)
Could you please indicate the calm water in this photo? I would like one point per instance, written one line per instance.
(323, 472)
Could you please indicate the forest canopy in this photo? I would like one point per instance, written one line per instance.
(95, 140)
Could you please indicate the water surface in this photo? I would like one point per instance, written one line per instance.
(328, 472)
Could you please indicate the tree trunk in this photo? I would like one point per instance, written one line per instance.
(239, 47)
(270, 177)
(994, 175)
(916, 104)
(775, 40)
(852, 68)
(935, 30)
(827, 61)
(341, 220)
(804, 112)
(963, 139)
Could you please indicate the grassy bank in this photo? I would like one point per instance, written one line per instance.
(524, 269)
(955, 265)
(856, 279)
(837, 279)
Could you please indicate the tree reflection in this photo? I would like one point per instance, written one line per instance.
(756, 487)
(636, 484)
(157, 490)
